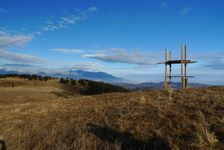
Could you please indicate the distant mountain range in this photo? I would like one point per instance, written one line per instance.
(159, 85)
(2, 71)
(105, 77)
(75, 74)
(90, 75)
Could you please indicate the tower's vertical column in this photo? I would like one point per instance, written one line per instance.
(185, 67)
(165, 77)
(182, 74)
(170, 71)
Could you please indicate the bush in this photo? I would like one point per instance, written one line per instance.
(64, 81)
(73, 82)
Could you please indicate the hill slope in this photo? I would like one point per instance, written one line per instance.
(159, 85)
(34, 116)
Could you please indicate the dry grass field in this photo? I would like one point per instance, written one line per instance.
(40, 115)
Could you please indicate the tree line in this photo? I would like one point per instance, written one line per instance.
(27, 76)
(90, 87)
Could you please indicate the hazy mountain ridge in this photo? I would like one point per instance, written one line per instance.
(2, 71)
(75, 74)
(105, 77)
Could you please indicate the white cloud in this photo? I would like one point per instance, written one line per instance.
(209, 60)
(217, 64)
(49, 27)
(68, 51)
(118, 55)
(7, 40)
(214, 60)
(186, 10)
(20, 58)
(92, 9)
(70, 19)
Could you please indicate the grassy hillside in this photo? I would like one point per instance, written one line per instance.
(39, 115)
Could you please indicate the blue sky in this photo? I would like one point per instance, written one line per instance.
(125, 38)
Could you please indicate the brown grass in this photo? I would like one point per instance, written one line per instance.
(34, 115)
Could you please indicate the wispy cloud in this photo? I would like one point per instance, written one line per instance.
(20, 58)
(3, 10)
(68, 51)
(92, 9)
(68, 20)
(210, 60)
(8, 40)
(217, 64)
(49, 27)
(118, 55)
(186, 10)
(214, 60)
(17, 65)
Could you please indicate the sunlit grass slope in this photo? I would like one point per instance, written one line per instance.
(40, 115)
